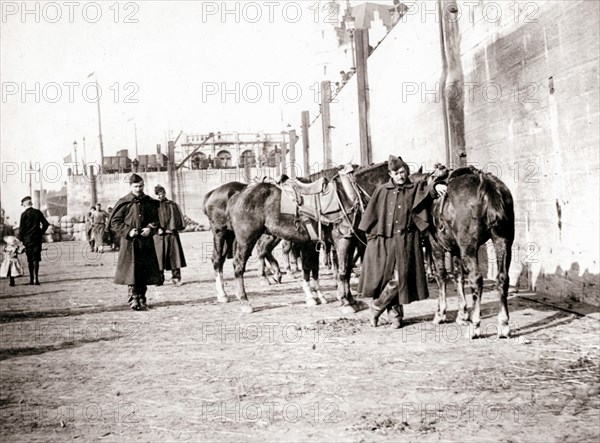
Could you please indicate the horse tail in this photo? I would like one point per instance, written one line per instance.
(493, 205)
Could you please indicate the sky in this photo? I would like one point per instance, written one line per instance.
(162, 66)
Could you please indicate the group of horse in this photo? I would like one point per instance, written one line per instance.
(477, 207)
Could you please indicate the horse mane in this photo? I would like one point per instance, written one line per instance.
(463, 170)
(327, 173)
(366, 169)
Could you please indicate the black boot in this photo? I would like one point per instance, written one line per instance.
(142, 297)
(134, 300)
(36, 270)
(388, 297)
(31, 276)
(395, 315)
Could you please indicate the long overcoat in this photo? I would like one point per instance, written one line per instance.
(99, 219)
(137, 263)
(169, 251)
(392, 221)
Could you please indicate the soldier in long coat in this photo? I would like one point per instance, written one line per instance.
(167, 243)
(99, 228)
(393, 268)
(135, 221)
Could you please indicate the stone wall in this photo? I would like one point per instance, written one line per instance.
(531, 104)
(190, 188)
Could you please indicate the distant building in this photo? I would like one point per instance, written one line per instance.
(230, 150)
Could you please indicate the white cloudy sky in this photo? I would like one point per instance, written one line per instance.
(164, 60)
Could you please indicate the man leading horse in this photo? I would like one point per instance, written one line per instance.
(393, 268)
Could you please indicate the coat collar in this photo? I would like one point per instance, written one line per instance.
(391, 185)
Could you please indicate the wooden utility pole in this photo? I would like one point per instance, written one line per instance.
(292, 137)
(283, 153)
(93, 190)
(326, 122)
(362, 82)
(452, 85)
(171, 168)
(305, 143)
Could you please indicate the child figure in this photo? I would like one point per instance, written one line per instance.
(11, 266)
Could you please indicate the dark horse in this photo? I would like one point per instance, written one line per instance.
(215, 207)
(257, 210)
(478, 207)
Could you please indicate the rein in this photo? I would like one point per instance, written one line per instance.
(360, 202)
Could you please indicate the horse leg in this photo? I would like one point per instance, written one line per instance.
(296, 255)
(349, 268)
(327, 251)
(438, 263)
(476, 282)
(335, 264)
(242, 254)
(218, 259)
(463, 314)
(310, 259)
(314, 283)
(503, 257)
(274, 266)
(341, 246)
(286, 250)
(265, 247)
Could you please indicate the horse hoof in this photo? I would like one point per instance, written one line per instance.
(247, 308)
(323, 299)
(439, 319)
(474, 332)
(503, 331)
(350, 309)
(462, 322)
(278, 279)
(222, 299)
(264, 281)
(311, 302)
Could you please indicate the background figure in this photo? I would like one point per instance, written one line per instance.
(89, 225)
(32, 227)
(135, 220)
(169, 251)
(99, 219)
(11, 266)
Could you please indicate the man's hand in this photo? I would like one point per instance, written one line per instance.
(441, 189)
(146, 232)
(133, 232)
(160, 231)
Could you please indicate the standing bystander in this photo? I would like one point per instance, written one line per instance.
(168, 245)
(32, 227)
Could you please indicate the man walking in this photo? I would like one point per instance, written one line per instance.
(135, 221)
(167, 243)
(32, 227)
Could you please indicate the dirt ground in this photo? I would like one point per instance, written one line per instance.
(77, 364)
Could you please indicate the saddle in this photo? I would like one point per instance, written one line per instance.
(296, 190)
(317, 201)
